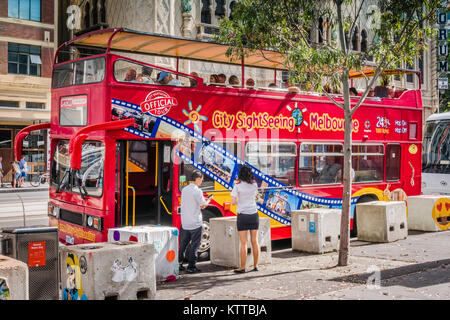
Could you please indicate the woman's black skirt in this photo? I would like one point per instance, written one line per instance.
(247, 222)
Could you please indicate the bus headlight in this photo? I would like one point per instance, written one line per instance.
(94, 222)
(53, 210)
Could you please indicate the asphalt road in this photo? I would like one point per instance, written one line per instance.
(15, 207)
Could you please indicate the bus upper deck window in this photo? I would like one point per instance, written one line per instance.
(80, 72)
(127, 71)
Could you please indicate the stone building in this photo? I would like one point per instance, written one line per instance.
(28, 39)
(198, 19)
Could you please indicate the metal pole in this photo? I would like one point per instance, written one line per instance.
(243, 71)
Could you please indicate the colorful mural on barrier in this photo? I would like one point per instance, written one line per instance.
(275, 200)
(74, 288)
(4, 289)
(441, 213)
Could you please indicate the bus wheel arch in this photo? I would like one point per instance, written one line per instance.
(362, 199)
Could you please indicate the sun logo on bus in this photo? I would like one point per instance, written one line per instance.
(194, 116)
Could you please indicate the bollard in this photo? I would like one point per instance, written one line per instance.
(165, 240)
(108, 271)
(315, 230)
(225, 242)
(382, 221)
(14, 279)
(429, 213)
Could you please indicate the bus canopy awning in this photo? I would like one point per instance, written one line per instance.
(177, 47)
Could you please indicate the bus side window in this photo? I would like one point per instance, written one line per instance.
(127, 71)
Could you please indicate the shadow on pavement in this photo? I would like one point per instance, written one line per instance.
(427, 278)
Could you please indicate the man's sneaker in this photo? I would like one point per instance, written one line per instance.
(193, 270)
(181, 267)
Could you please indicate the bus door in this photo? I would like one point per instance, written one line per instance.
(145, 176)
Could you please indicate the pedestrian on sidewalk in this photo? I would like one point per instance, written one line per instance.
(15, 173)
(244, 196)
(23, 170)
(192, 202)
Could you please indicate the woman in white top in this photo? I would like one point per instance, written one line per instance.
(243, 195)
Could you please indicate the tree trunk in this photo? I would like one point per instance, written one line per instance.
(346, 192)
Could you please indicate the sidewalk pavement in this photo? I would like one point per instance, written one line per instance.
(27, 187)
(414, 268)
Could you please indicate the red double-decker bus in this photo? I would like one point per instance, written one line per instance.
(126, 136)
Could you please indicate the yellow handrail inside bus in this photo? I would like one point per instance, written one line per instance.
(167, 210)
(134, 205)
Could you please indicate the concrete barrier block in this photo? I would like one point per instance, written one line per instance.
(315, 230)
(14, 279)
(165, 240)
(429, 213)
(382, 221)
(108, 271)
(225, 243)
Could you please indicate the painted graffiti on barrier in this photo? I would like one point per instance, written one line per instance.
(124, 273)
(74, 288)
(4, 289)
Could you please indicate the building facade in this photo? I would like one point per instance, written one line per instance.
(28, 39)
(199, 19)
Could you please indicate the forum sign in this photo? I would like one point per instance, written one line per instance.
(442, 48)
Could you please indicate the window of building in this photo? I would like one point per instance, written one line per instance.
(206, 12)
(409, 77)
(320, 163)
(355, 40)
(421, 68)
(24, 59)
(25, 9)
(35, 105)
(363, 41)
(34, 149)
(9, 104)
(5, 139)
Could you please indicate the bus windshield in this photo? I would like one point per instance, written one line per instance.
(79, 72)
(89, 177)
(436, 147)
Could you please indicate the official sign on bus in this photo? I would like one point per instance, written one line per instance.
(158, 103)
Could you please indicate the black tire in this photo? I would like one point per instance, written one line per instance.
(35, 180)
(363, 199)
